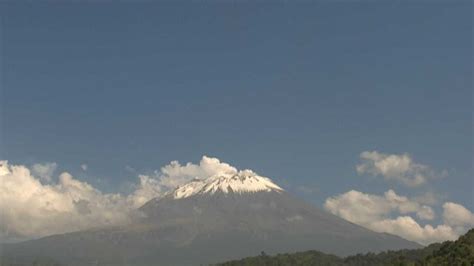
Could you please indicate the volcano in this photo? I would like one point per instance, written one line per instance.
(225, 216)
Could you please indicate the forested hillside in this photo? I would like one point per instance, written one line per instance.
(459, 252)
(449, 253)
(38, 261)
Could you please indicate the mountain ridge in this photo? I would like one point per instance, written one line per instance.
(213, 223)
(240, 182)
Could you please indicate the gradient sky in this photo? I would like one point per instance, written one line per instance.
(294, 92)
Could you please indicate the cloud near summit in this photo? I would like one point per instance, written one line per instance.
(34, 204)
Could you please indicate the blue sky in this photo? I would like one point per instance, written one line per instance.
(294, 92)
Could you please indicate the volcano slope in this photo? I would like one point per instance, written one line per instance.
(223, 217)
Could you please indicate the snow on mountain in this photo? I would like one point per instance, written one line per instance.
(223, 214)
(245, 181)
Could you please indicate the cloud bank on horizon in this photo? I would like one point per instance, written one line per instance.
(376, 212)
(33, 204)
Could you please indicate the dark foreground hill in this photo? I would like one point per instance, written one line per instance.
(449, 253)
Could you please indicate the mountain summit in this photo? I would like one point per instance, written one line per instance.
(245, 181)
(227, 215)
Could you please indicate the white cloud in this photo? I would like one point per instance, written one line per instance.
(175, 172)
(84, 167)
(44, 170)
(457, 216)
(358, 207)
(32, 209)
(374, 212)
(399, 167)
(408, 228)
(429, 198)
(147, 189)
(401, 203)
(426, 213)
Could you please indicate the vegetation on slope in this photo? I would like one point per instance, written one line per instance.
(309, 258)
(459, 252)
(38, 261)
(449, 253)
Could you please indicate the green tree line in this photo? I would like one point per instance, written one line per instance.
(449, 253)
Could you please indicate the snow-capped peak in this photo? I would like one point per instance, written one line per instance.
(245, 181)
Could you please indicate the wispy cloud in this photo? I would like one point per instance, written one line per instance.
(44, 171)
(397, 167)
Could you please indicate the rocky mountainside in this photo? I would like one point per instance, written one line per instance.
(223, 217)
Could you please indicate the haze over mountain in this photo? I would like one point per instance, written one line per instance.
(226, 216)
